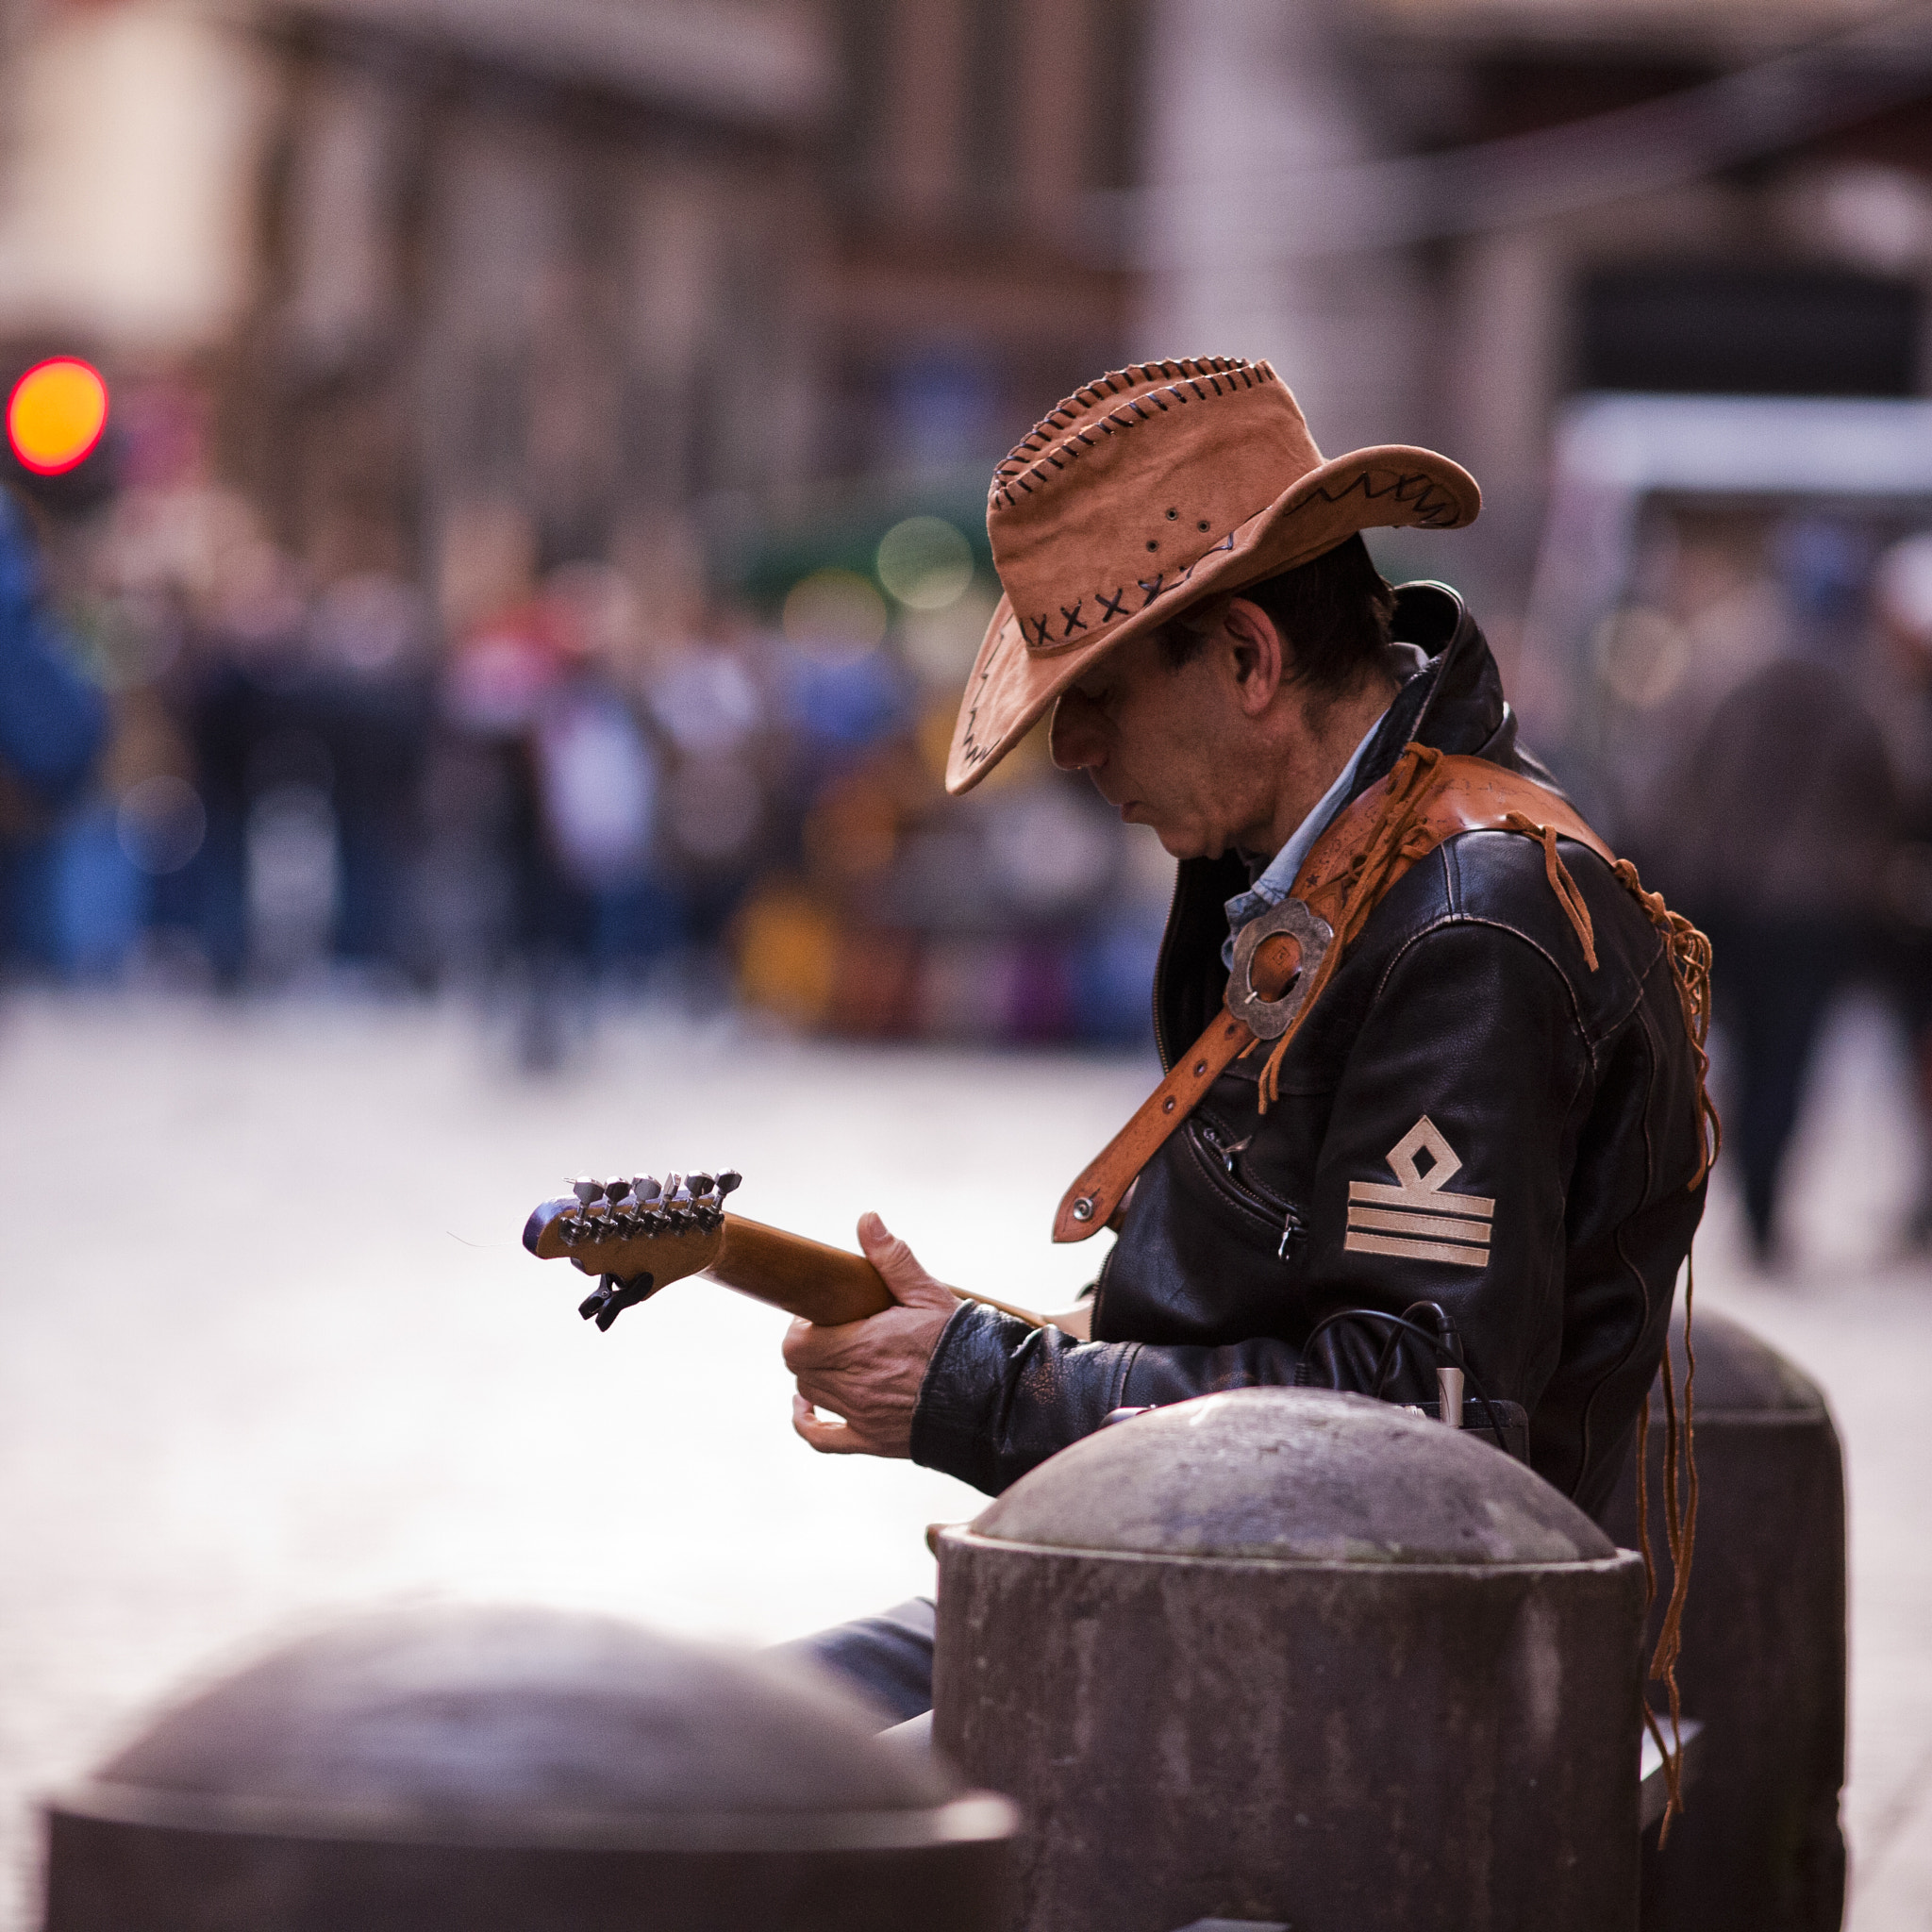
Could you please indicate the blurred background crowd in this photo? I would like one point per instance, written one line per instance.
(299, 781)
(537, 543)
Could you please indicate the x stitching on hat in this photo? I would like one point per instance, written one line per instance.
(1110, 606)
(1074, 621)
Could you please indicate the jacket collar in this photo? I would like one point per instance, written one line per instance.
(1455, 703)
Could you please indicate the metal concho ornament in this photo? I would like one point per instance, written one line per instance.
(1270, 1019)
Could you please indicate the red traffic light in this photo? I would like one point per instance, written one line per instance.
(56, 414)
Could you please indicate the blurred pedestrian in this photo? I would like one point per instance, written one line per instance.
(1786, 819)
(370, 642)
(724, 756)
(53, 723)
(1901, 610)
(261, 769)
(572, 779)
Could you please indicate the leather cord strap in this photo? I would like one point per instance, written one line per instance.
(1428, 797)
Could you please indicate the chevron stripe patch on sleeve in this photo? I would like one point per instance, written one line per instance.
(1416, 1218)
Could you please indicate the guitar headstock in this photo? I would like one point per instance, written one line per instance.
(634, 1231)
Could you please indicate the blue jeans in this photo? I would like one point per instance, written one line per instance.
(887, 1657)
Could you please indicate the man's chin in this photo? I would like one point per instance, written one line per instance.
(1177, 841)
(1183, 844)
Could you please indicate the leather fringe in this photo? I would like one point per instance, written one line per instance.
(1680, 1534)
(1689, 956)
(1568, 897)
(1691, 968)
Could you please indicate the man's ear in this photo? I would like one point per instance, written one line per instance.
(1261, 655)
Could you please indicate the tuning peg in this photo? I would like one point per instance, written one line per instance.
(727, 1180)
(646, 1187)
(586, 1190)
(710, 1206)
(700, 1184)
(617, 1186)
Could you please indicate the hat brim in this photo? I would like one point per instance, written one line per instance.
(1390, 486)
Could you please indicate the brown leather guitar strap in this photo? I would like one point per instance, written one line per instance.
(1284, 958)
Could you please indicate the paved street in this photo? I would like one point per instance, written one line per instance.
(269, 1346)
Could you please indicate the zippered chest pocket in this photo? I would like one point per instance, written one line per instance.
(1217, 1152)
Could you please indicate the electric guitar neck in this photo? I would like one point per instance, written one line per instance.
(638, 1235)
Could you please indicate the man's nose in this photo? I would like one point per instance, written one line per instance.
(1075, 738)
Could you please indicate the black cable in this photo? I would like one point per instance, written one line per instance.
(1402, 1325)
(1391, 1349)
(1385, 1363)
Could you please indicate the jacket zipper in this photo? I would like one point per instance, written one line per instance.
(1250, 1195)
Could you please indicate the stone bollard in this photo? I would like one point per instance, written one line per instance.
(520, 1771)
(1298, 1658)
(1760, 1848)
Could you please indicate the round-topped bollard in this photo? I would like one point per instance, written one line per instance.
(1304, 1658)
(520, 1771)
(1762, 1666)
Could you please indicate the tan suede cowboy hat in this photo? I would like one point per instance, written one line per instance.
(1147, 491)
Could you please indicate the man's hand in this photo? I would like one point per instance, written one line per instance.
(869, 1371)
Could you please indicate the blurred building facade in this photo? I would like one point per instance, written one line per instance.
(495, 389)
(471, 289)
(474, 288)
(512, 404)
(1443, 220)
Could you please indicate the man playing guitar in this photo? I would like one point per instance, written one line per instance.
(1471, 1095)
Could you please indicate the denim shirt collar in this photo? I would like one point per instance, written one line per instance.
(1277, 880)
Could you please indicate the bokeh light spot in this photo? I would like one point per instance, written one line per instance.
(787, 954)
(835, 615)
(925, 563)
(941, 645)
(56, 415)
(1645, 656)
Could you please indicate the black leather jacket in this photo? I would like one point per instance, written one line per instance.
(1470, 1116)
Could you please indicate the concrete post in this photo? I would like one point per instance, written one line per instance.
(520, 1771)
(1253, 109)
(1760, 1848)
(1294, 1657)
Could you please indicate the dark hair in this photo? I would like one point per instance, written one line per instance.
(1333, 613)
